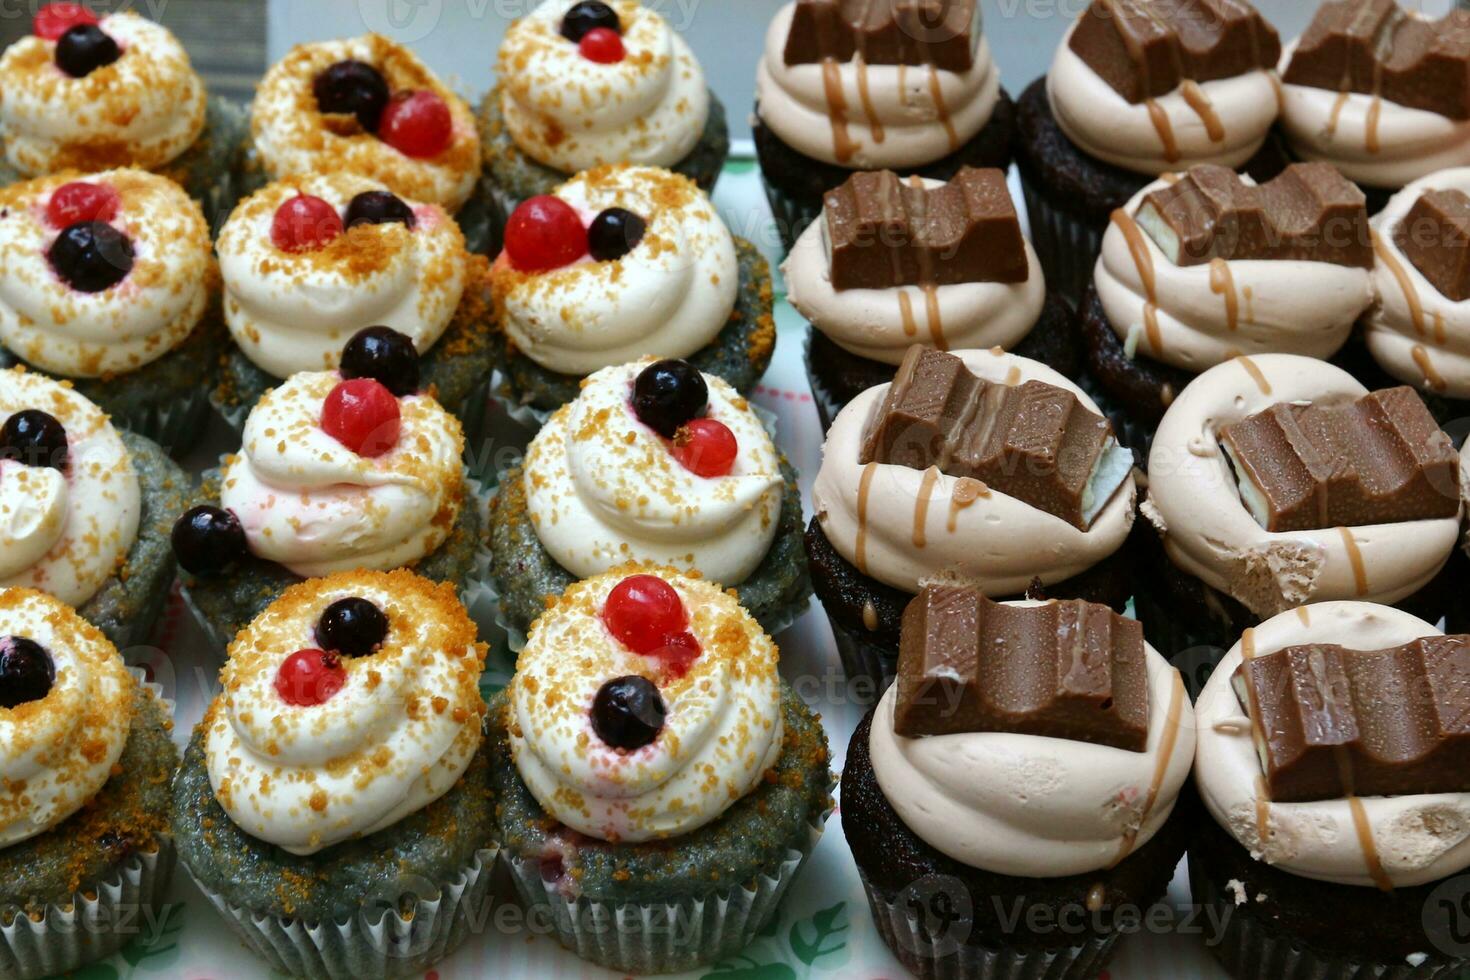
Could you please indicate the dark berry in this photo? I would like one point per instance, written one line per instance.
(91, 256)
(85, 48)
(353, 88)
(628, 713)
(386, 356)
(614, 233)
(378, 208)
(34, 438)
(588, 16)
(208, 540)
(668, 395)
(352, 627)
(26, 671)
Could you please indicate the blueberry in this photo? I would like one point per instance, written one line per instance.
(386, 356)
(669, 395)
(34, 438)
(91, 256)
(26, 671)
(208, 541)
(85, 48)
(614, 233)
(378, 208)
(353, 88)
(352, 627)
(628, 713)
(586, 16)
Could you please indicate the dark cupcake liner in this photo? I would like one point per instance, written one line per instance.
(870, 665)
(1066, 244)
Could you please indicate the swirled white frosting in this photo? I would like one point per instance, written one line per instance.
(1417, 839)
(146, 315)
(1194, 500)
(143, 110)
(668, 297)
(397, 736)
(908, 528)
(893, 116)
(315, 506)
(722, 731)
(1033, 806)
(294, 139)
(293, 311)
(1194, 317)
(573, 114)
(603, 489)
(65, 533)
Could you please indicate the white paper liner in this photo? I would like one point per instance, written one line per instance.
(1066, 246)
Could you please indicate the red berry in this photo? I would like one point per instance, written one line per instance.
(79, 201)
(706, 447)
(362, 415)
(602, 45)
(417, 124)
(305, 223)
(642, 611)
(55, 19)
(544, 233)
(310, 677)
(678, 651)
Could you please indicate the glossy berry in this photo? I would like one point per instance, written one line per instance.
(707, 448)
(55, 19)
(352, 627)
(81, 201)
(362, 415)
(417, 124)
(304, 223)
(34, 438)
(208, 541)
(386, 356)
(628, 713)
(590, 15)
(677, 652)
(614, 233)
(310, 677)
(91, 256)
(668, 395)
(378, 208)
(26, 671)
(602, 46)
(642, 610)
(353, 88)
(544, 233)
(85, 48)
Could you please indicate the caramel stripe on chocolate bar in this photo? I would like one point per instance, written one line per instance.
(941, 33)
(1435, 237)
(1331, 722)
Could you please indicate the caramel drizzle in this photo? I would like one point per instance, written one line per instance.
(1370, 849)
(874, 123)
(1370, 136)
(906, 310)
(1304, 615)
(1278, 89)
(1439, 329)
(1263, 792)
(966, 492)
(1248, 644)
(1263, 809)
(1222, 281)
(1431, 374)
(921, 505)
(1160, 119)
(1167, 741)
(1401, 275)
(1355, 556)
(1144, 263)
(1249, 295)
(1096, 895)
(1013, 377)
(1195, 98)
(1166, 395)
(936, 321)
(865, 488)
(1255, 372)
(870, 617)
(1336, 114)
(936, 89)
(843, 146)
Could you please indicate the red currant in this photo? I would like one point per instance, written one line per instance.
(362, 415)
(305, 223)
(417, 124)
(678, 651)
(544, 233)
(642, 611)
(602, 45)
(310, 677)
(80, 201)
(706, 447)
(55, 19)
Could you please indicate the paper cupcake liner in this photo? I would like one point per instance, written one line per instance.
(827, 404)
(138, 630)
(498, 204)
(1066, 246)
(175, 424)
(790, 214)
(377, 942)
(213, 181)
(869, 665)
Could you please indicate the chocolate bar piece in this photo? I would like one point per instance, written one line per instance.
(1331, 722)
(1307, 213)
(1034, 441)
(1146, 48)
(942, 33)
(1435, 236)
(883, 231)
(1380, 459)
(1073, 670)
(1377, 48)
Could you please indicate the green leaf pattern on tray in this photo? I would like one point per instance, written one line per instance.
(808, 940)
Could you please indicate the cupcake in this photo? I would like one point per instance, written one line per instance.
(997, 782)
(619, 263)
(334, 474)
(110, 282)
(979, 467)
(1202, 268)
(1371, 88)
(1133, 94)
(335, 804)
(653, 462)
(309, 262)
(844, 87)
(89, 94)
(658, 785)
(1330, 761)
(1280, 480)
(85, 762)
(975, 281)
(582, 84)
(87, 509)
